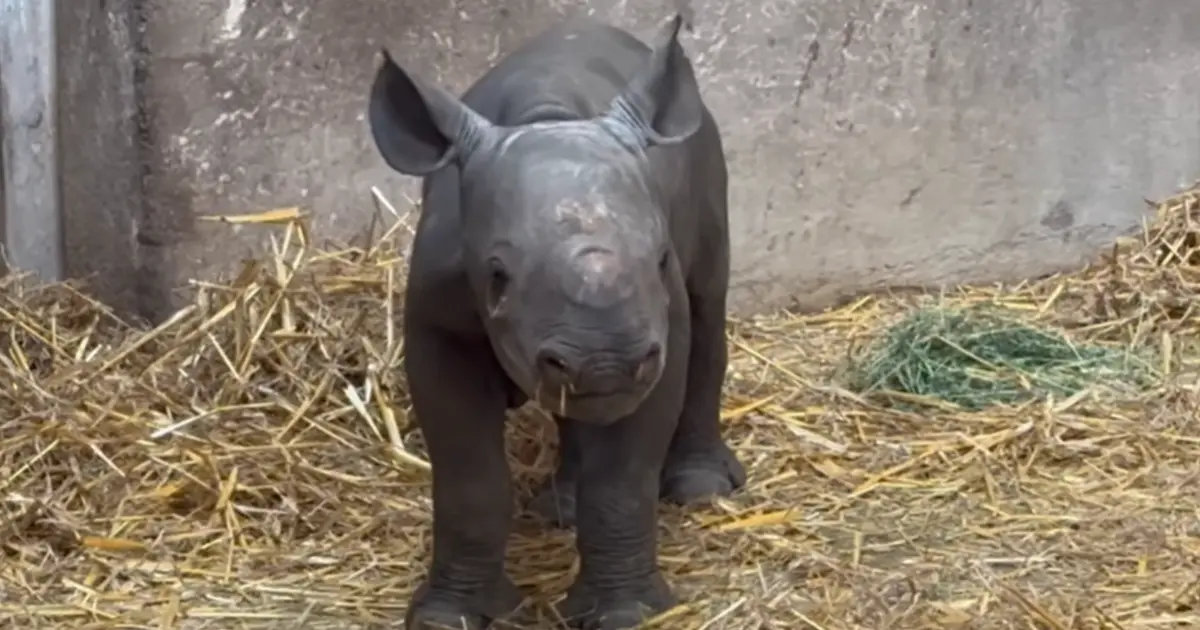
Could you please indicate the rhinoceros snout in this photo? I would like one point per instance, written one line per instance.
(599, 373)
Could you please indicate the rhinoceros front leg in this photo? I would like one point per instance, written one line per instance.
(555, 499)
(700, 465)
(619, 584)
(462, 420)
(617, 491)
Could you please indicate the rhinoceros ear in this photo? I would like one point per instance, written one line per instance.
(419, 128)
(661, 105)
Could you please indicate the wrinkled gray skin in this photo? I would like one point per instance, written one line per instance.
(572, 249)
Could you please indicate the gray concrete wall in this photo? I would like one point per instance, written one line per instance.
(101, 156)
(872, 143)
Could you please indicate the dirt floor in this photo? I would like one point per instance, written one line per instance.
(250, 464)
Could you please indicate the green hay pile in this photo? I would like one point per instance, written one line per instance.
(976, 357)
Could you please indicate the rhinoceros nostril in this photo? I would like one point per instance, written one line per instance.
(554, 368)
(649, 365)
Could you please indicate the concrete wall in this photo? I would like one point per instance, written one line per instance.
(872, 143)
(102, 156)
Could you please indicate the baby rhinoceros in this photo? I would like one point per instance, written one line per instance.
(572, 249)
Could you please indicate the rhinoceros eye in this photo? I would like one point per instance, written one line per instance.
(664, 262)
(497, 288)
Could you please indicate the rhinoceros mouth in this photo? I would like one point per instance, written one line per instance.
(592, 407)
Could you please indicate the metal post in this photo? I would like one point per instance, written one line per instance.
(29, 114)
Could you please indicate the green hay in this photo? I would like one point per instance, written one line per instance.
(976, 357)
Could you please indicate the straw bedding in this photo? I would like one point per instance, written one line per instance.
(251, 464)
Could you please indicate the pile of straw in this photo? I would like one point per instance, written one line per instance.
(251, 463)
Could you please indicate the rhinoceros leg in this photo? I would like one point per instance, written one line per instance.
(462, 421)
(617, 493)
(555, 499)
(700, 465)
